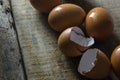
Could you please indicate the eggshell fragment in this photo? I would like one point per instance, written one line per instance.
(115, 61)
(45, 6)
(72, 42)
(65, 16)
(94, 64)
(99, 23)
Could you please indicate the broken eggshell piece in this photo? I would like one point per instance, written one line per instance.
(79, 38)
(72, 42)
(94, 64)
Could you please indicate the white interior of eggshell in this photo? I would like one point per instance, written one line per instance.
(78, 37)
(87, 61)
(78, 30)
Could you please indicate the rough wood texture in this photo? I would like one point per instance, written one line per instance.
(42, 57)
(10, 58)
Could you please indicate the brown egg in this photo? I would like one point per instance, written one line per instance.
(94, 64)
(65, 16)
(99, 23)
(45, 6)
(115, 61)
(72, 42)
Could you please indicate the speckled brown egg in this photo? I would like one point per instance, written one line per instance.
(45, 6)
(65, 16)
(99, 23)
(115, 61)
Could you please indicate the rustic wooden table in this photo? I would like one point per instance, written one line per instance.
(28, 46)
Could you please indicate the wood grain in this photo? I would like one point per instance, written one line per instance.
(10, 58)
(42, 57)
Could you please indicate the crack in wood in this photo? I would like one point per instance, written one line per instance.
(11, 63)
(20, 50)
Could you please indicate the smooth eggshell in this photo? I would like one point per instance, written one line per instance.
(115, 61)
(99, 23)
(45, 6)
(102, 67)
(65, 16)
(69, 47)
(94, 64)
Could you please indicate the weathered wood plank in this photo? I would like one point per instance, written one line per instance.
(10, 58)
(42, 57)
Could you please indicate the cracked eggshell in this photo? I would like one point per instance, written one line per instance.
(99, 23)
(115, 61)
(66, 15)
(72, 42)
(45, 6)
(94, 64)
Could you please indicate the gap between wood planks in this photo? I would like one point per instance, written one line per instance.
(14, 26)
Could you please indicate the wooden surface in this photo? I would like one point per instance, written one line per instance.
(10, 57)
(42, 57)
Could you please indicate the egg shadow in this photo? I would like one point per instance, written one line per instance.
(85, 4)
(108, 45)
(74, 63)
(44, 20)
